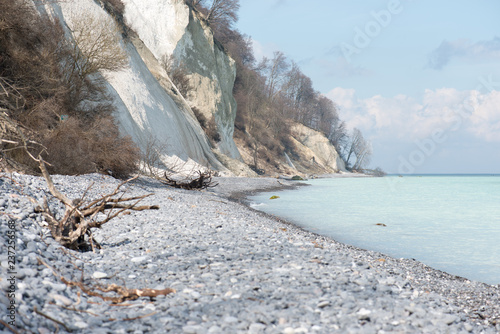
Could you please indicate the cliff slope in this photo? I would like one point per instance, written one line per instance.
(171, 28)
(153, 111)
(315, 153)
(309, 153)
(149, 108)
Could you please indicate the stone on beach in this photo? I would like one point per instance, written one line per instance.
(255, 274)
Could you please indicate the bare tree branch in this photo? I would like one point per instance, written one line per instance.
(97, 45)
(217, 12)
(202, 181)
(123, 293)
(80, 217)
(224, 10)
(358, 147)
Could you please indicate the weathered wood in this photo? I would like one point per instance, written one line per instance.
(80, 216)
(123, 293)
(203, 181)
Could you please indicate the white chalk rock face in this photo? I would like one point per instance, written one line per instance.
(170, 27)
(147, 113)
(317, 146)
(160, 24)
(146, 109)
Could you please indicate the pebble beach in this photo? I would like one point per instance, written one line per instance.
(233, 269)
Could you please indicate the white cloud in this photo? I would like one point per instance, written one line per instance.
(406, 119)
(485, 121)
(465, 49)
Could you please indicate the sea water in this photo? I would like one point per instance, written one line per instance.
(451, 223)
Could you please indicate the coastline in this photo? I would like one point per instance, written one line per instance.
(424, 277)
(235, 269)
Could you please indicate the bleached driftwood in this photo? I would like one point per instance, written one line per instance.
(80, 216)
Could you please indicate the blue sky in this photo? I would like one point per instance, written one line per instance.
(420, 78)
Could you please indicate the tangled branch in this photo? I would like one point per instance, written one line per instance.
(202, 181)
(79, 216)
(13, 138)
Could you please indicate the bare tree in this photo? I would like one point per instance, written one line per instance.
(324, 115)
(338, 135)
(299, 90)
(363, 156)
(359, 148)
(96, 45)
(293, 84)
(223, 11)
(274, 70)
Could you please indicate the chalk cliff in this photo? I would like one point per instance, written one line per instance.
(171, 28)
(148, 107)
(316, 153)
(152, 110)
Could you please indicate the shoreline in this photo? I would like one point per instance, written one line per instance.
(436, 284)
(242, 198)
(235, 269)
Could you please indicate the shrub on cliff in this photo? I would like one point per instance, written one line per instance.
(222, 13)
(45, 79)
(208, 125)
(178, 73)
(273, 93)
(79, 147)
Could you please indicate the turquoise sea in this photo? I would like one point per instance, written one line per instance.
(449, 222)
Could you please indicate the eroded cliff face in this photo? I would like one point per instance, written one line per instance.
(316, 153)
(151, 109)
(170, 27)
(311, 153)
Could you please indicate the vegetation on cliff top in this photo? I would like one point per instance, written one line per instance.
(53, 90)
(273, 93)
(52, 96)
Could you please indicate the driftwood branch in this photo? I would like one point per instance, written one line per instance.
(202, 181)
(8, 327)
(69, 330)
(79, 217)
(121, 293)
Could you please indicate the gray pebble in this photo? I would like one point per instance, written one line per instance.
(99, 274)
(192, 329)
(139, 259)
(252, 275)
(256, 328)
